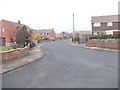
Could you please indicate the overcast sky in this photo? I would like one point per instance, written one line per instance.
(57, 14)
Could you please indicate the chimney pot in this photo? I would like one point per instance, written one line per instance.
(19, 22)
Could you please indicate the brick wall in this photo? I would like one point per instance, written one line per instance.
(13, 54)
(106, 43)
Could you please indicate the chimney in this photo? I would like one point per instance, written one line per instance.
(19, 22)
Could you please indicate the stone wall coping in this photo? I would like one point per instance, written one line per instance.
(105, 40)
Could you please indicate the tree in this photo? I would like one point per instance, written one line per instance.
(22, 36)
(76, 37)
(37, 37)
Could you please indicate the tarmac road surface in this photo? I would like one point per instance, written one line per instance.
(67, 66)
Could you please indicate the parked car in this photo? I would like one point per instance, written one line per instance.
(52, 39)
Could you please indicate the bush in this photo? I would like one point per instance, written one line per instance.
(22, 46)
(32, 44)
(114, 36)
(76, 39)
(46, 38)
(15, 46)
(27, 42)
(117, 36)
(38, 41)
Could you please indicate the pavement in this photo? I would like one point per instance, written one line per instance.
(94, 48)
(66, 66)
(34, 54)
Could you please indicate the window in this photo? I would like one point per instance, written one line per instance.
(3, 29)
(47, 33)
(43, 34)
(0, 29)
(109, 24)
(97, 24)
(98, 33)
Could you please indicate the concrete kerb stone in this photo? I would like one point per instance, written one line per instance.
(95, 48)
(34, 55)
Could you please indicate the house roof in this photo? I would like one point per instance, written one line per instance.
(15, 24)
(107, 18)
(83, 32)
(45, 31)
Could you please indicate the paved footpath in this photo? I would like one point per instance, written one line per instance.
(33, 55)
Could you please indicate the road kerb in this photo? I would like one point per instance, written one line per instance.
(23, 65)
(95, 48)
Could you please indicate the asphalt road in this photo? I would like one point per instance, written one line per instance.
(67, 66)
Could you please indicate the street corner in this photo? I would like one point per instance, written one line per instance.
(34, 55)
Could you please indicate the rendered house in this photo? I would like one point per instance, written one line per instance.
(109, 24)
(83, 32)
(8, 32)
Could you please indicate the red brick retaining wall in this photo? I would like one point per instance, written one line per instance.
(15, 53)
(104, 45)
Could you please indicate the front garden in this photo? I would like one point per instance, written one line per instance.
(5, 48)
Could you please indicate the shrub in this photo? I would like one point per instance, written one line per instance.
(117, 36)
(38, 41)
(15, 46)
(46, 38)
(22, 46)
(76, 39)
(114, 36)
(27, 42)
(32, 44)
(37, 37)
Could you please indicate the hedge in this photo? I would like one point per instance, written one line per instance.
(114, 36)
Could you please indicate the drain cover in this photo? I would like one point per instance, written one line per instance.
(108, 68)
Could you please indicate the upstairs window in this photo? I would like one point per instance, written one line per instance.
(97, 24)
(47, 33)
(2, 29)
(109, 24)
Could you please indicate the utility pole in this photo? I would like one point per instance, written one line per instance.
(73, 28)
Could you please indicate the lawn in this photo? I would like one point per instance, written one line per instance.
(5, 48)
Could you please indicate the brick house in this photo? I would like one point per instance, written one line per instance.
(63, 35)
(108, 24)
(8, 32)
(46, 33)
